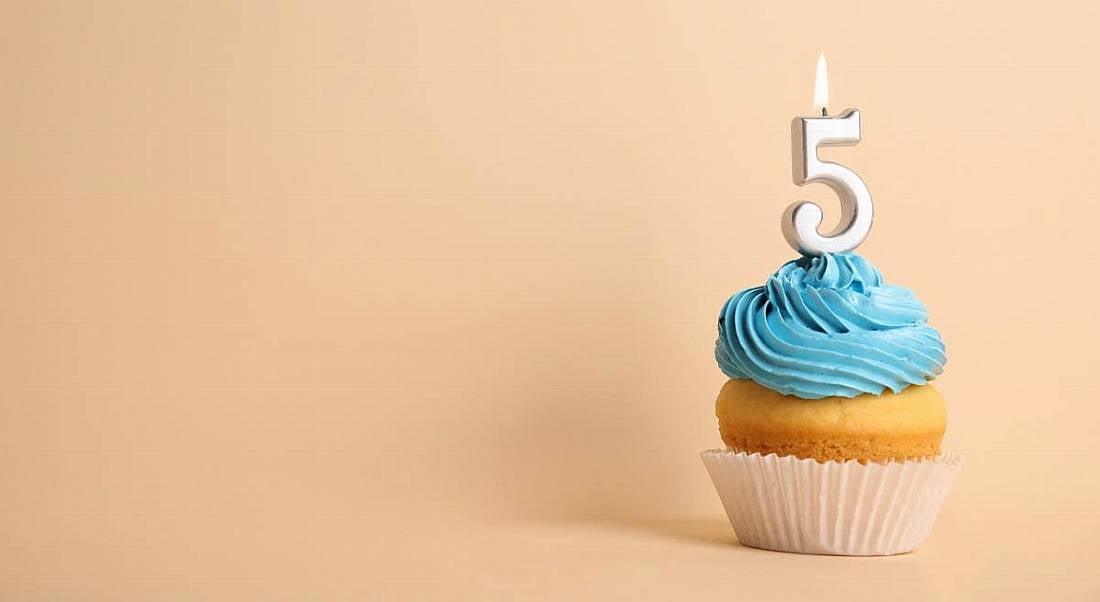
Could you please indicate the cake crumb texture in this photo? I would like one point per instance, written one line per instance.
(875, 428)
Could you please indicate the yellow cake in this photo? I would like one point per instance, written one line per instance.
(879, 428)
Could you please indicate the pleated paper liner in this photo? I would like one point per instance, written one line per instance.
(841, 508)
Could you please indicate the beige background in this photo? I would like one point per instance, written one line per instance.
(416, 301)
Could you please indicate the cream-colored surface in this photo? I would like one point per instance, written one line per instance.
(886, 427)
(399, 300)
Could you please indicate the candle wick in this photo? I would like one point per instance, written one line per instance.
(824, 112)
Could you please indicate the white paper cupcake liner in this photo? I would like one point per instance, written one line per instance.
(842, 508)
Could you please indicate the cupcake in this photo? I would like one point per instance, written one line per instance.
(832, 433)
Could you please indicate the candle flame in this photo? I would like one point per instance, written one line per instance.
(821, 84)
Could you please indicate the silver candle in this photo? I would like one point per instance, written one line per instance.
(802, 219)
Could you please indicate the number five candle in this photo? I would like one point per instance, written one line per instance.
(802, 219)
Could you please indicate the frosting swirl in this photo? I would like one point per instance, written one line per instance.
(828, 326)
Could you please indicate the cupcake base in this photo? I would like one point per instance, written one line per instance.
(790, 504)
(892, 426)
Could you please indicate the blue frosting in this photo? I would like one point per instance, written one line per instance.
(828, 326)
